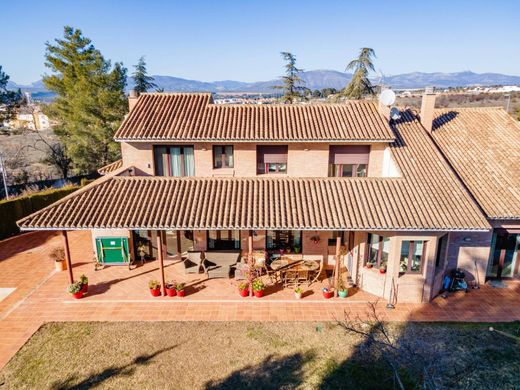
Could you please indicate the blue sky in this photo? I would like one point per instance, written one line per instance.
(241, 40)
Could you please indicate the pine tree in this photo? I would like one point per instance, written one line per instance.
(292, 82)
(360, 85)
(90, 102)
(142, 81)
(9, 100)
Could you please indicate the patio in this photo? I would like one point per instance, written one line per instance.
(117, 294)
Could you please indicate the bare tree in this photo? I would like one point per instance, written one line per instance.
(402, 349)
(55, 154)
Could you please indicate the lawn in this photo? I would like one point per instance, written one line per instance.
(240, 355)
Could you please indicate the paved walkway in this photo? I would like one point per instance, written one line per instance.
(117, 294)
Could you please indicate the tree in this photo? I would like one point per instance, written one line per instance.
(292, 82)
(360, 85)
(55, 154)
(142, 81)
(9, 100)
(90, 102)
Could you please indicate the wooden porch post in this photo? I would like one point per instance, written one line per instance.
(179, 249)
(67, 255)
(337, 265)
(250, 242)
(150, 245)
(160, 254)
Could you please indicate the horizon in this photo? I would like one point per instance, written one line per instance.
(236, 38)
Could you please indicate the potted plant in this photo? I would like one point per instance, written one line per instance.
(369, 264)
(258, 288)
(382, 269)
(155, 287)
(84, 283)
(180, 289)
(342, 289)
(298, 293)
(297, 249)
(170, 288)
(58, 255)
(327, 293)
(75, 289)
(243, 289)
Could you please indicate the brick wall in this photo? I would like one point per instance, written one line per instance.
(304, 159)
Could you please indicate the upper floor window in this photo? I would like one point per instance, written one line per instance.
(174, 161)
(378, 250)
(271, 159)
(223, 156)
(413, 254)
(348, 160)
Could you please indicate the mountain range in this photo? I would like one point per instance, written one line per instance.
(318, 79)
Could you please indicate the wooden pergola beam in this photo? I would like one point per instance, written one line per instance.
(160, 254)
(66, 249)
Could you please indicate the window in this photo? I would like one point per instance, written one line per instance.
(378, 249)
(174, 161)
(348, 160)
(412, 255)
(223, 156)
(442, 246)
(283, 240)
(179, 241)
(223, 239)
(271, 159)
(333, 236)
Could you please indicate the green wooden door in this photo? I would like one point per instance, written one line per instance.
(112, 250)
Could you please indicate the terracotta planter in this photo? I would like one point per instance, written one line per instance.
(369, 265)
(84, 288)
(59, 265)
(171, 292)
(155, 292)
(244, 292)
(343, 293)
(181, 293)
(78, 295)
(259, 293)
(328, 294)
(382, 271)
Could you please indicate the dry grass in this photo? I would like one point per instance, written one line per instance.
(238, 355)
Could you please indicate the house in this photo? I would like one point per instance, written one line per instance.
(336, 181)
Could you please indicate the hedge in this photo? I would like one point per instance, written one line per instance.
(11, 210)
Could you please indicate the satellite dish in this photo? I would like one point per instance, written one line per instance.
(395, 114)
(387, 97)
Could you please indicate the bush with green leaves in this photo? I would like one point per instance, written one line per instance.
(75, 287)
(154, 284)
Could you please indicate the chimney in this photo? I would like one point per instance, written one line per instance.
(132, 99)
(427, 108)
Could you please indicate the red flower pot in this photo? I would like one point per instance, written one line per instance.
(84, 288)
(181, 293)
(78, 295)
(382, 271)
(259, 293)
(155, 292)
(171, 292)
(328, 294)
(244, 292)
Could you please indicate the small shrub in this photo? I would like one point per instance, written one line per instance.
(57, 254)
(74, 287)
(154, 284)
(180, 286)
(258, 285)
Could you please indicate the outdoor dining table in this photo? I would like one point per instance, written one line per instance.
(283, 264)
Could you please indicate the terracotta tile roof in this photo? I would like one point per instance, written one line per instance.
(110, 167)
(428, 197)
(483, 147)
(193, 117)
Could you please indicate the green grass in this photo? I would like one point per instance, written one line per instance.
(243, 355)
